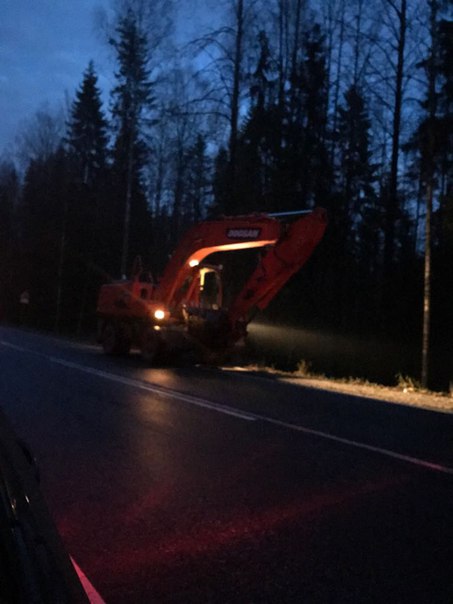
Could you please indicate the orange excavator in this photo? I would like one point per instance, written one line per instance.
(186, 305)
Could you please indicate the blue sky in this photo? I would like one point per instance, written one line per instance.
(45, 46)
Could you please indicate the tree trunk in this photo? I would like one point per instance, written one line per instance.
(336, 99)
(430, 151)
(61, 261)
(127, 209)
(392, 199)
(235, 96)
(427, 287)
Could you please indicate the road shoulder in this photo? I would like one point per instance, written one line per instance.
(431, 401)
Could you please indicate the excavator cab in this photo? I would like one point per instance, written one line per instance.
(200, 303)
(210, 287)
(203, 289)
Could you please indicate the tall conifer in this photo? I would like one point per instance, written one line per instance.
(132, 104)
(88, 127)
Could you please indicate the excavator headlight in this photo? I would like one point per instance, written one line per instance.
(159, 314)
(193, 263)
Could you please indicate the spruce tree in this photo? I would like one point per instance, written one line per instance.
(132, 105)
(356, 170)
(256, 152)
(356, 217)
(198, 180)
(305, 125)
(87, 135)
(9, 193)
(87, 230)
(46, 198)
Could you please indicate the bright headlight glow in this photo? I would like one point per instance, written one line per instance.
(193, 263)
(159, 314)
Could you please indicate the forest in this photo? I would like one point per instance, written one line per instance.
(279, 105)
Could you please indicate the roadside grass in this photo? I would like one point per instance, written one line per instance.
(406, 390)
(409, 384)
(405, 383)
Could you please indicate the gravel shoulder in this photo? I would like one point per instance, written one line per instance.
(403, 396)
(412, 397)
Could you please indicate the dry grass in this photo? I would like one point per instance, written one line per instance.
(407, 390)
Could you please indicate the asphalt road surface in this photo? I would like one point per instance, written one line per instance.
(191, 484)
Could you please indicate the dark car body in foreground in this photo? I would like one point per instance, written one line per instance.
(34, 567)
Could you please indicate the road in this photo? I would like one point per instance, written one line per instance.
(191, 484)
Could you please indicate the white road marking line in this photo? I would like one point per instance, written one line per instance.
(90, 591)
(20, 348)
(248, 416)
(353, 443)
(114, 377)
(167, 392)
(253, 417)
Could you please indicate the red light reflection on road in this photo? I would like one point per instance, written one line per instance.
(141, 550)
(205, 540)
(153, 500)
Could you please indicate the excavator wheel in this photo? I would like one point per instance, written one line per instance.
(151, 345)
(115, 339)
(213, 358)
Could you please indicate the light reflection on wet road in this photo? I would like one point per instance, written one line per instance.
(162, 499)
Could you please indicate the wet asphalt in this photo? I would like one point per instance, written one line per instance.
(192, 484)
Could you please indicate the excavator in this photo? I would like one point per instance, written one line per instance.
(184, 308)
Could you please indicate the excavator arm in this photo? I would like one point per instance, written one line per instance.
(282, 261)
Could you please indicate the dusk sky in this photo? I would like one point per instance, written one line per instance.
(45, 46)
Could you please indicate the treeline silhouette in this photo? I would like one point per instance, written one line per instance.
(285, 106)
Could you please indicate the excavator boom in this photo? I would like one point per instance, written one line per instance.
(225, 234)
